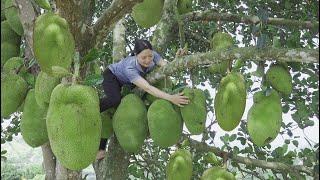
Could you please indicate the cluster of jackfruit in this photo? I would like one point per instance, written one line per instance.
(53, 43)
(74, 125)
(216, 173)
(280, 78)
(180, 165)
(220, 41)
(129, 123)
(195, 122)
(230, 101)
(33, 122)
(147, 13)
(165, 123)
(264, 117)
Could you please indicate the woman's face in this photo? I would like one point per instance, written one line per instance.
(145, 57)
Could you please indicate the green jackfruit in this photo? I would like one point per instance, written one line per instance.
(220, 41)
(9, 35)
(13, 65)
(195, 122)
(12, 16)
(280, 79)
(13, 91)
(33, 122)
(217, 173)
(74, 125)
(184, 6)
(8, 50)
(106, 130)
(230, 101)
(180, 165)
(53, 42)
(264, 118)
(43, 4)
(147, 13)
(165, 124)
(130, 123)
(160, 84)
(43, 88)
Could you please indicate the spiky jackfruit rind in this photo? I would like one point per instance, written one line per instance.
(13, 65)
(195, 122)
(74, 125)
(9, 35)
(280, 78)
(165, 124)
(180, 165)
(184, 6)
(8, 50)
(264, 118)
(33, 122)
(13, 92)
(130, 123)
(216, 173)
(11, 13)
(230, 101)
(43, 88)
(147, 13)
(53, 42)
(107, 129)
(220, 41)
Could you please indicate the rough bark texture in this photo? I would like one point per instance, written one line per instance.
(119, 41)
(246, 53)
(213, 15)
(63, 173)
(49, 162)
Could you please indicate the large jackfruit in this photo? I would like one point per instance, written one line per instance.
(14, 65)
(13, 91)
(74, 125)
(180, 165)
(107, 129)
(220, 41)
(217, 173)
(280, 79)
(33, 122)
(165, 124)
(130, 123)
(11, 13)
(43, 88)
(9, 35)
(230, 101)
(264, 118)
(194, 114)
(147, 13)
(161, 84)
(184, 6)
(53, 43)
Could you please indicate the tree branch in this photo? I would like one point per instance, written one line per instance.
(278, 166)
(246, 53)
(213, 15)
(113, 14)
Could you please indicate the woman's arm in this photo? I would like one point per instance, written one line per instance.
(177, 99)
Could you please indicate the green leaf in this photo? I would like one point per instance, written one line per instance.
(93, 80)
(92, 55)
(232, 137)
(295, 142)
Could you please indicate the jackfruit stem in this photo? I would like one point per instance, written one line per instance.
(76, 68)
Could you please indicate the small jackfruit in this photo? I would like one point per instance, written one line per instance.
(43, 88)
(280, 79)
(8, 50)
(74, 125)
(53, 42)
(230, 101)
(130, 123)
(33, 122)
(9, 35)
(165, 124)
(147, 13)
(11, 13)
(43, 4)
(195, 122)
(180, 165)
(264, 118)
(13, 91)
(217, 173)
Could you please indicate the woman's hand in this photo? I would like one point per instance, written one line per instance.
(179, 99)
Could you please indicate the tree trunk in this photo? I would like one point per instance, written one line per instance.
(63, 173)
(49, 161)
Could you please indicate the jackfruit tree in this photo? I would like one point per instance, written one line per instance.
(249, 68)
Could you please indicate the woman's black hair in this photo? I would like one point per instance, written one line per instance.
(140, 45)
